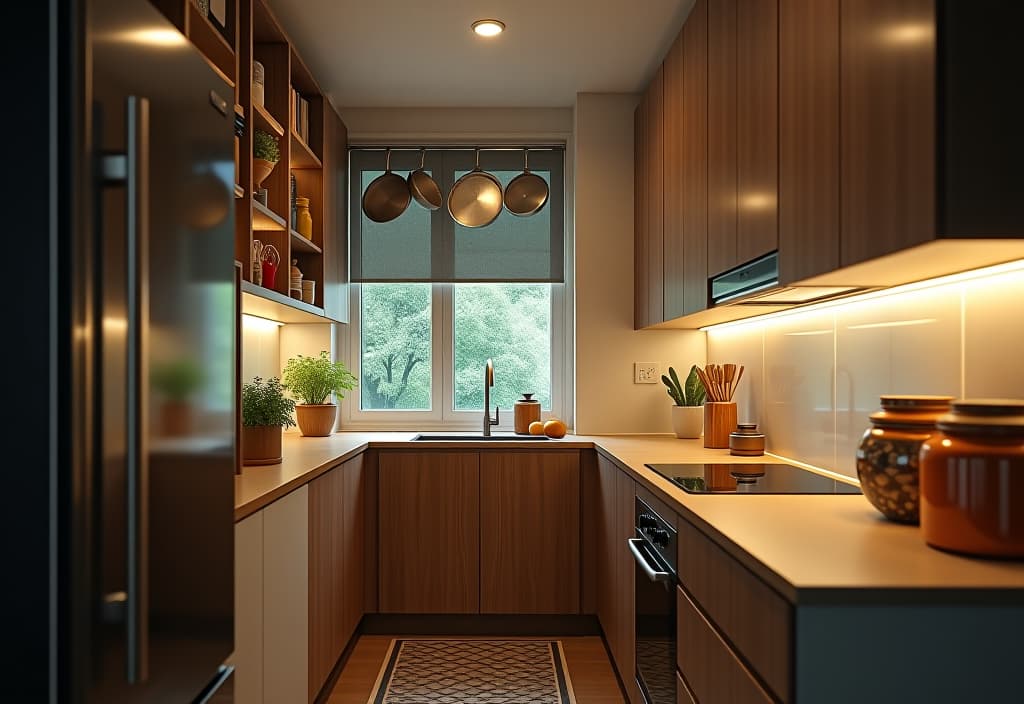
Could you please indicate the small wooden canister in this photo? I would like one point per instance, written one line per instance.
(719, 421)
(527, 410)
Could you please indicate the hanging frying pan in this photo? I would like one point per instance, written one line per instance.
(475, 199)
(423, 187)
(527, 193)
(387, 196)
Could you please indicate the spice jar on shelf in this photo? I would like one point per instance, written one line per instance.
(295, 281)
(303, 219)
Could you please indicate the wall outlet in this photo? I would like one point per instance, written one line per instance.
(646, 373)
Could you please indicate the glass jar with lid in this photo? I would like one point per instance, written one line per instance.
(972, 479)
(303, 219)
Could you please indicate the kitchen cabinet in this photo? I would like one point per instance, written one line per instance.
(336, 283)
(429, 538)
(808, 138)
(335, 558)
(530, 532)
(686, 164)
(742, 40)
(248, 655)
(615, 570)
(648, 214)
(286, 598)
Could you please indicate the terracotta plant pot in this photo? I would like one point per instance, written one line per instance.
(261, 168)
(316, 420)
(687, 421)
(261, 444)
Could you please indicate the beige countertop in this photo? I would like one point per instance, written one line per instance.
(811, 548)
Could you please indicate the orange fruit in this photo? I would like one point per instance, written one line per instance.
(536, 428)
(555, 428)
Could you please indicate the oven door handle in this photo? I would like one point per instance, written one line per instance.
(655, 575)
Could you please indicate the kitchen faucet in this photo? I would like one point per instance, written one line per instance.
(488, 383)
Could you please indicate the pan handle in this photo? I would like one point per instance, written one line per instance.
(387, 161)
(423, 158)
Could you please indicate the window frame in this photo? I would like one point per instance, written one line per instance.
(442, 414)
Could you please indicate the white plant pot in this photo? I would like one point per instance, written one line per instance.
(688, 421)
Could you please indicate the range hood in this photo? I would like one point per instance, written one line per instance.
(757, 283)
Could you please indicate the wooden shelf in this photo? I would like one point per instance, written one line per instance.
(265, 303)
(301, 244)
(302, 157)
(239, 191)
(211, 43)
(263, 218)
(266, 121)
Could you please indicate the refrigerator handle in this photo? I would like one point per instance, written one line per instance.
(131, 169)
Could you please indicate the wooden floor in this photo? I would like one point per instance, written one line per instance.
(593, 679)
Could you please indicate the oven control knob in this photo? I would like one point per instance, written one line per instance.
(646, 522)
(660, 538)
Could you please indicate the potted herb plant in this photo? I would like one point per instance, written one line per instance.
(265, 413)
(688, 411)
(266, 153)
(311, 380)
(176, 381)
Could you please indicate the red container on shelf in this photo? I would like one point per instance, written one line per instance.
(269, 273)
(972, 479)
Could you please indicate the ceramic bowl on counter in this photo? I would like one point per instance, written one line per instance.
(972, 479)
(887, 457)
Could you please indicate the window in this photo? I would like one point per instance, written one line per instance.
(432, 301)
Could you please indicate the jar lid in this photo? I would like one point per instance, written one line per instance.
(746, 429)
(301, 201)
(985, 415)
(528, 398)
(915, 410)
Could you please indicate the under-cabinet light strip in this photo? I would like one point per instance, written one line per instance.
(961, 277)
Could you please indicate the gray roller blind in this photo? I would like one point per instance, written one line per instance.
(425, 246)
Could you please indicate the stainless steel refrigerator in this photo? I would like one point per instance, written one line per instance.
(155, 568)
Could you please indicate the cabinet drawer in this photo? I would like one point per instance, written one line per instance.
(750, 615)
(683, 695)
(711, 668)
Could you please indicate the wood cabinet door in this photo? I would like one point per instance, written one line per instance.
(887, 113)
(674, 268)
(722, 254)
(335, 190)
(286, 598)
(352, 547)
(694, 155)
(248, 655)
(641, 311)
(648, 214)
(808, 138)
(326, 575)
(625, 574)
(608, 549)
(757, 133)
(530, 532)
(429, 537)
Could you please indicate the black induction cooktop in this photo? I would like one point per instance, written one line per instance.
(767, 478)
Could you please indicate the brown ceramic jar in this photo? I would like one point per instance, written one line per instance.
(972, 479)
(887, 457)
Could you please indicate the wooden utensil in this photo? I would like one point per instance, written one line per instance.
(730, 374)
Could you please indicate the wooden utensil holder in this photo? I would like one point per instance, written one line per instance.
(719, 421)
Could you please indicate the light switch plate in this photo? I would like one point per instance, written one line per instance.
(646, 372)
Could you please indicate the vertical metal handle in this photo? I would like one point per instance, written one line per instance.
(136, 237)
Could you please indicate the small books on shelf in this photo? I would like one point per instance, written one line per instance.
(300, 111)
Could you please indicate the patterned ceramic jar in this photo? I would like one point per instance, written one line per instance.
(887, 458)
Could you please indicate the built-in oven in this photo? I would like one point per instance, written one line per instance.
(654, 604)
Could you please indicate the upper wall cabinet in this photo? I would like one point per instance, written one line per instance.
(843, 133)
(648, 214)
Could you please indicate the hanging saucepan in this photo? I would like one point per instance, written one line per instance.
(387, 196)
(527, 193)
(423, 187)
(475, 199)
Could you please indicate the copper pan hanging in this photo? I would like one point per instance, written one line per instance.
(527, 193)
(387, 196)
(475, 199)
(423, 187)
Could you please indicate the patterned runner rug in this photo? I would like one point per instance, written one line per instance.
(424, 671)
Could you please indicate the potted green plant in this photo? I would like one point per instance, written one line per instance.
(266, 411)
(688, 412)
(266, 153)
(311, 380)
(176, 381)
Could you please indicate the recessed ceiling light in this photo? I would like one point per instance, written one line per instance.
(488, 28)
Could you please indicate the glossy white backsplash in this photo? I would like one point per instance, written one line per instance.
(812, 378)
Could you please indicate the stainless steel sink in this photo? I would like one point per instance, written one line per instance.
(476, 437)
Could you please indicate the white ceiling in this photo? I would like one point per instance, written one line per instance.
(422, 53)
